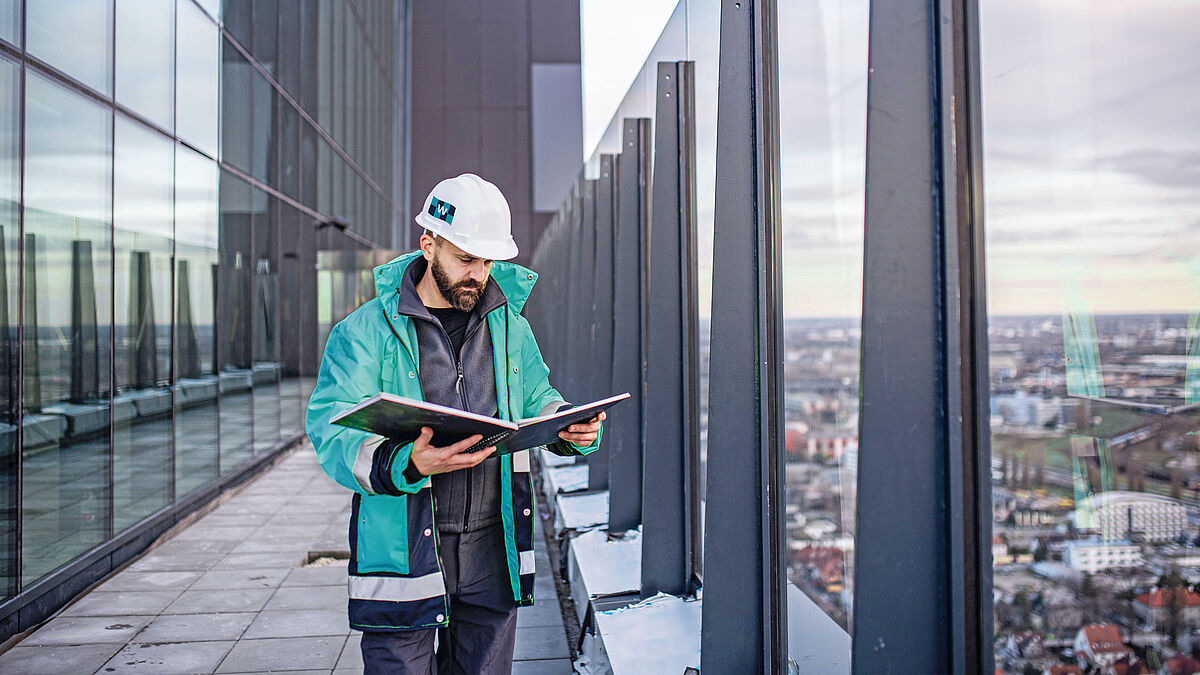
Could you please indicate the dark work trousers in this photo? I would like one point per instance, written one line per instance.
(483, 616)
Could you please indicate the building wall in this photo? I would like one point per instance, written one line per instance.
(162, 192)
(496, 91)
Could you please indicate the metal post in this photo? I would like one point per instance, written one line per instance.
(670, 435)
(744, 592)
(142, 339)
(624, 431)
(924, 494)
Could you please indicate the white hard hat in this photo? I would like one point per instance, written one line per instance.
(472, 214)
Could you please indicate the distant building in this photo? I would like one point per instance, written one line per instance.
(1100, 644)
(1063, 670)
(1180, 664)
(1093, 556)
(1155, 607)
(1024, 410)
(1060, 611)
(1117, 514)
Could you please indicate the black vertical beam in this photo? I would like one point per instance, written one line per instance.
(574, 349)
(85, 342)
(602, 318)
(624, 427)
(669, 430)
(590, 385)
(744, 584)
(924, 367)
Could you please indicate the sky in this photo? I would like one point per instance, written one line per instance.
(617, 37)
(1091, 151)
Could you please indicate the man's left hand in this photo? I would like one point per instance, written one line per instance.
(584, 433)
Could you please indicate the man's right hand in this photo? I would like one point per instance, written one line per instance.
(430, 460)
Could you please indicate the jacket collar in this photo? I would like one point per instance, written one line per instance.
(513, 282)
(409, 302)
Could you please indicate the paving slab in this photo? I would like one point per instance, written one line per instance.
(168, 658)
(206, 602)
(120, 603)
(274, 654)
(250, 577)
(541, 642)
(310, 597)
(79, 630)
(40, 660)
(351, 658)
(196, 627)
(150, 581)
(298, 623)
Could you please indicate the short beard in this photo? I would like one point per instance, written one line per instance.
(462, 295)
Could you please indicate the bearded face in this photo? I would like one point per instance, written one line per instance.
(461, 294)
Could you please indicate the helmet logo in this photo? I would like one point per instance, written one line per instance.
(441, 210)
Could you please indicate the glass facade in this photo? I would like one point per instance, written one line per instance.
(158, 246)
(1094, 293)
(822, 150)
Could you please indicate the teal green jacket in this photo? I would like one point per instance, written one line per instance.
(395, 572)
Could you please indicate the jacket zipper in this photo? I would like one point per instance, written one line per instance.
(461, 388)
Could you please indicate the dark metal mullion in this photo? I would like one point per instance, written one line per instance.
(19, 404)
(966, 382)
(923, 549)
(664, 530)
(745, 594)
(766, 110)
(624, 431)
(689, 302)
(112, 270)
(171, 369)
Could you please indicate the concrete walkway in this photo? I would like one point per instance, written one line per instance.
(231, 594)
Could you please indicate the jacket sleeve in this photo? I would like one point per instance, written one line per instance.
(540, 397)
(361, 461)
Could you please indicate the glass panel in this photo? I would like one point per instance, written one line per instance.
(74, 36)
(198, 74)
(196, 258)
(145, 50)
(704, 36)
(247, 115)
(213, 7)
(1093, 261)
(822, 139)
(235, 316)
(265, 307)
(142, 458)
(10, 21)
(10, 305)
(67, 332)
(296, 319)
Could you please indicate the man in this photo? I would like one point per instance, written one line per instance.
(441, 541)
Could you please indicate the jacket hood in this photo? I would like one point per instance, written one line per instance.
(516, 281)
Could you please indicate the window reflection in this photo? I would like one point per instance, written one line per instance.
(265, 331)
(67, 295)
(145, 58)
(197, 73)
(235, 315)
(196, 370)
(74, 36)
(142, 461)
(823, 90)
(10, 305)
(10, 21)
(1094, 294)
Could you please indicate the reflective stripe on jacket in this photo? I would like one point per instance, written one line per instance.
(395, 573)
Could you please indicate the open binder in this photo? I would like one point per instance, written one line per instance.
(401, 419)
